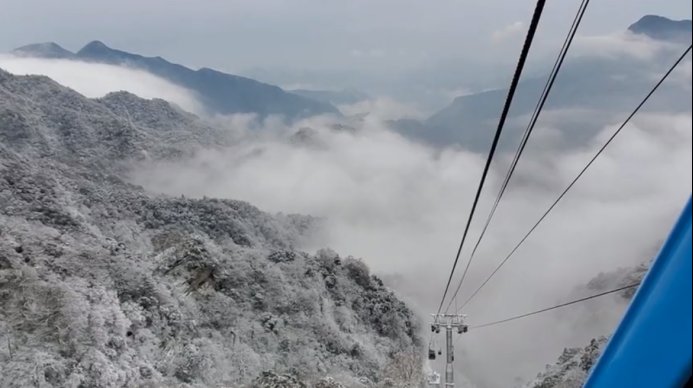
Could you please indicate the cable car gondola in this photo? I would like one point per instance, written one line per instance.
(432, 350)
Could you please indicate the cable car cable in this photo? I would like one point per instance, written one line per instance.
(558, 64)
(504, 115)
(516, 317)
(582, 172)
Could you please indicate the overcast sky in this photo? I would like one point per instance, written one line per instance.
(368, 35)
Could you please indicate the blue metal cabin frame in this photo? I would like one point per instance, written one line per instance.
(652, 346)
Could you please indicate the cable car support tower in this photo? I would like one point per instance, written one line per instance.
(449, 322)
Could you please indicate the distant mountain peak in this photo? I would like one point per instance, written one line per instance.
(97, 50)
(95, 44)
(662, 28)
(654, 18)
(43, 50)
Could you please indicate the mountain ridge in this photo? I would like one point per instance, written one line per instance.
(44, 50)
(219, 92)
(662, 28)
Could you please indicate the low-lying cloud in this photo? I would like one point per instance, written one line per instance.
(401, 206)
(623, 44)
(96, 80)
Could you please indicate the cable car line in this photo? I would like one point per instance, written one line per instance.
(536, 17)
(558, 64)
(516, 317)
(579, 175)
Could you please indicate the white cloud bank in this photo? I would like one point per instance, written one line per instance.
(96, 80)
(624, 44)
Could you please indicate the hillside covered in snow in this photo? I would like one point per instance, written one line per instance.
(103, 284)
(573, 366)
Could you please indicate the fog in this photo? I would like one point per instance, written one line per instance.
(623, 44)
(96, 80)
(384, 108)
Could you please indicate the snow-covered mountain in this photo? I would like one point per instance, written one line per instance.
(572, 367)
(105, 285)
